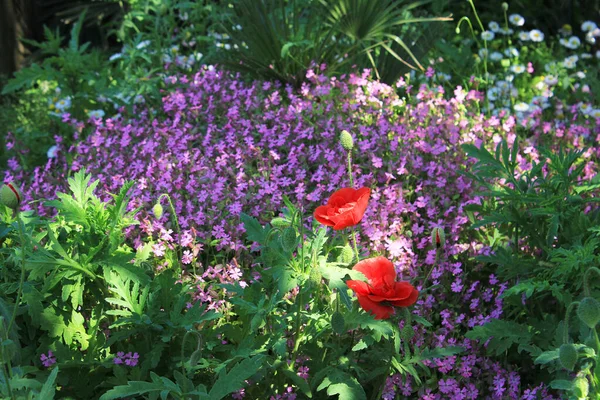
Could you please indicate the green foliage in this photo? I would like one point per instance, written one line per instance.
(281, 39)
(548, 254)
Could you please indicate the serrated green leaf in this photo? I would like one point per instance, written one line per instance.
(229, 382)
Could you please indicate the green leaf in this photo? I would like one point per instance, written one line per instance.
(546, 357)
(229, 382)
(342, 384)
(48, 390)
(337, 323)
(254, 230)
(136, 388)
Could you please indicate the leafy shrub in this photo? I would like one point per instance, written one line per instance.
(545, 219)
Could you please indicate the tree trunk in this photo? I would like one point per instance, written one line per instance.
(15, 22)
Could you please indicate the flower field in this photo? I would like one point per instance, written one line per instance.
(217, 208)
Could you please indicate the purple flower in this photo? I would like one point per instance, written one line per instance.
(48, 360)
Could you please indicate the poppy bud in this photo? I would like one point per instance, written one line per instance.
(11, 196)
(289, 241)
(589, 312)
(157, 210)
(346, 140)
(567, 355)
(438, 238)
(346, 255)
(505, 6)
(581, 387)
(195, 357)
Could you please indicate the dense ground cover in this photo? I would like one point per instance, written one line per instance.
(195, 249)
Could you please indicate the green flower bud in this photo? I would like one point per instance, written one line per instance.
(346, 140)
(289, 241)
(438, 238)
(11, 196)
(157, 210)
(567, 355)
(589, 312)
(346, 255)
(581, 387)
(505, 6)
(196, 355)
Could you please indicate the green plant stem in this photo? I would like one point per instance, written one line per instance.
(297, 328)
(350, 169)
(22, 279)
(355, 245)
(385, 376)
(177, 228)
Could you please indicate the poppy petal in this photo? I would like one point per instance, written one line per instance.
(409, 301)
(342, 196)
(376, 269)
(359, 287)
(320, 215)
(377, 309)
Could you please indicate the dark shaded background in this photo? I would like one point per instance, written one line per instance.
(26, 18)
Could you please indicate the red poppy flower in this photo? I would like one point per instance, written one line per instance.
(344, 208)
(381, 293)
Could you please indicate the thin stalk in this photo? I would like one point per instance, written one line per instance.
(22, 279)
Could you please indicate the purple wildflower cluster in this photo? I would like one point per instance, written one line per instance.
(220, 146)
(129, 359)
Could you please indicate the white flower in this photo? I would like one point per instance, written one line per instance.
(505, 32)
(492, 94)
(585, 56)
(521, 107)
(167, 59)
(524, 36)
(574, 42)
(585, 108)
(227, 46)
(496, 56)
(588, 26)
(590, 37)
(595, 113)
(517, 69)
(174, 49)
(551, 80)
(511, 52)
(63, 104)
(184, 16)
(580, 74)
(96, 114)
(139, 99)
(52, 151)
(570, 62)
(536, 35)
(143, 45)
(487, 35)
(115, 56)
(503, 85)
(483, 53)
(598, 54)
(516, 20)
(494, 27)
(442, 77)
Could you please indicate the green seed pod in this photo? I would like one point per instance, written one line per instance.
(346, 140)
(438, 238)
(157, 210)
(346, 255)
(589, 311)
(567, 355)
(11, 196)
(279, 222)
(289, 240)
(581, 387)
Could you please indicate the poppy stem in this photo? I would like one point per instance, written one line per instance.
(355, 245)
(350, 169)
